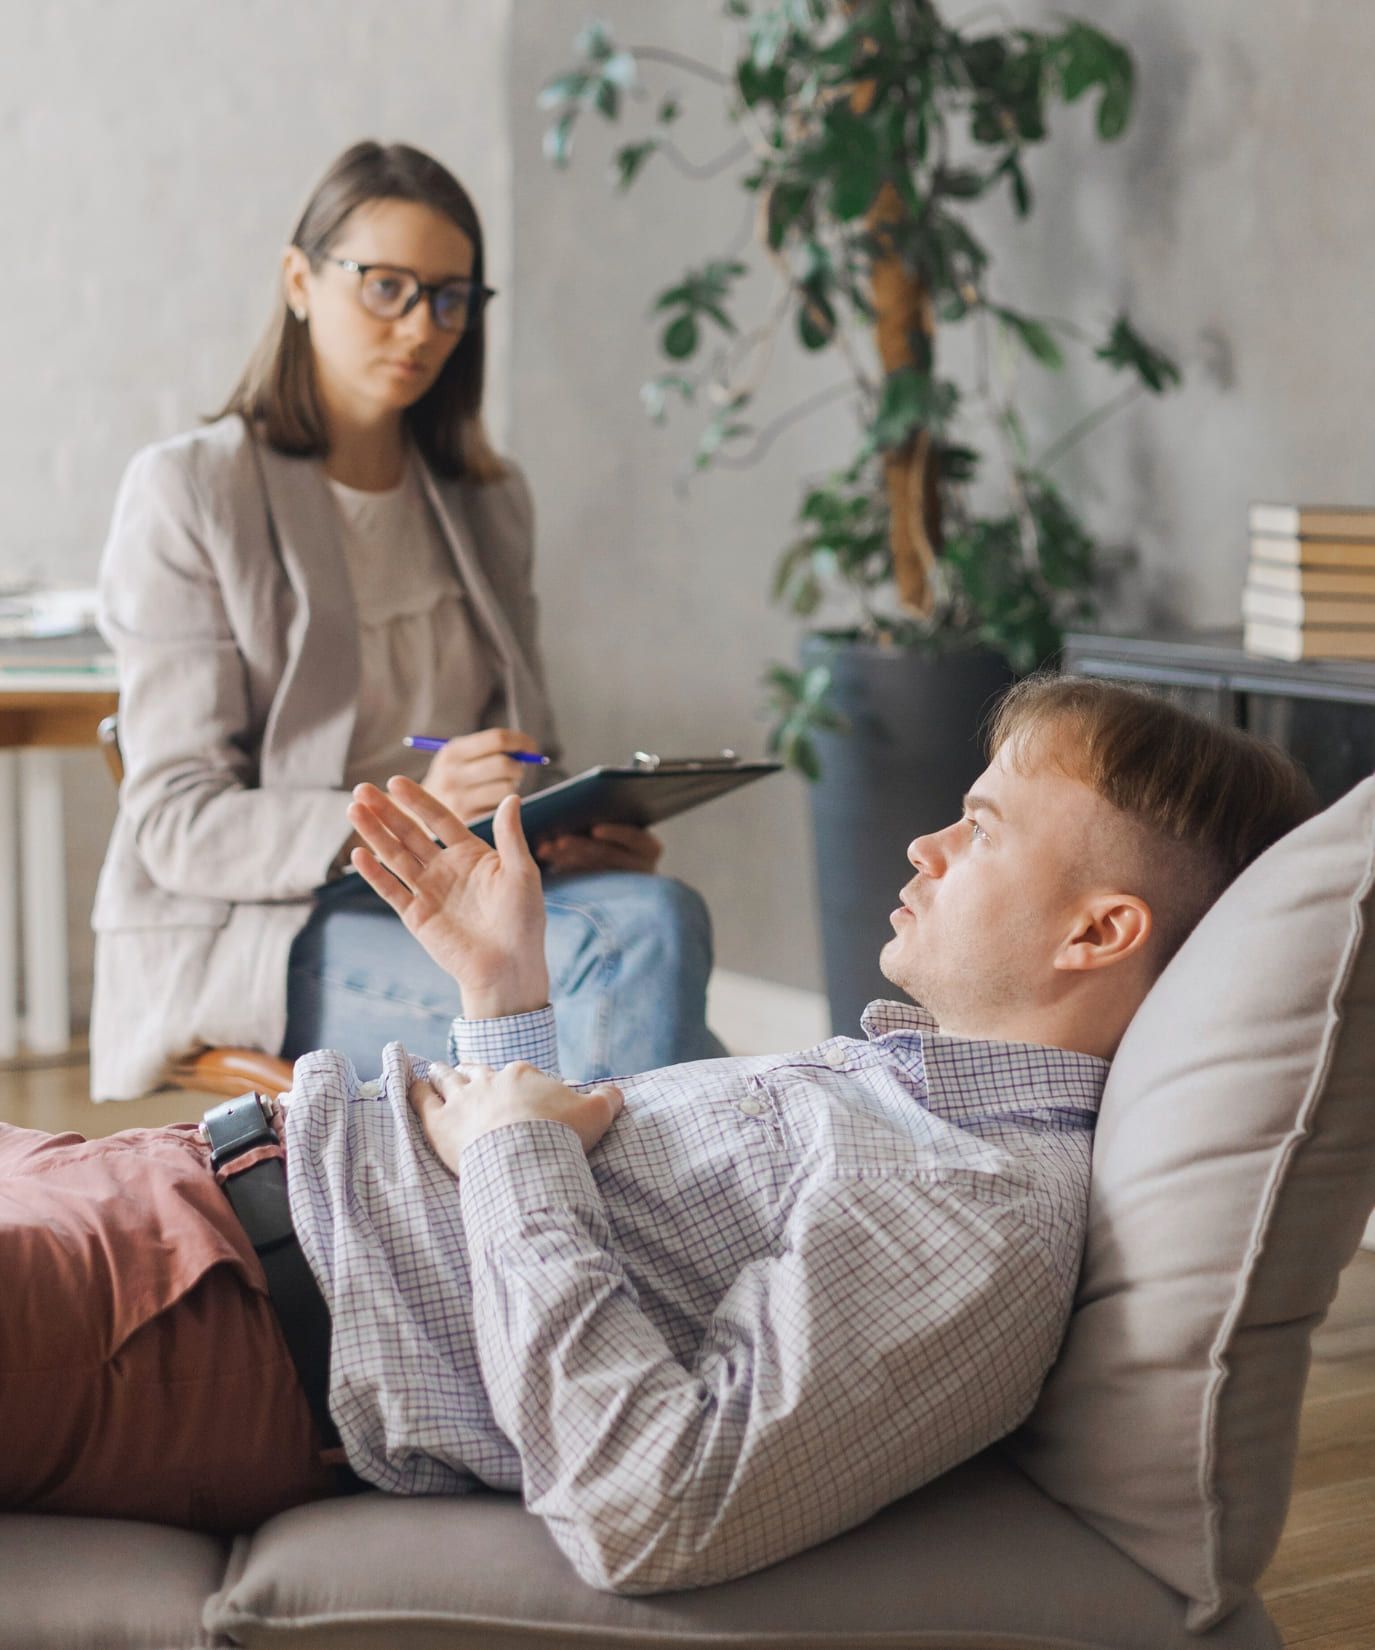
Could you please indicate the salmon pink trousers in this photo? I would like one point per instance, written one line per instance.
(143, 1373)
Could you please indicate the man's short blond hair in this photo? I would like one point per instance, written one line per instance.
(1202, 799)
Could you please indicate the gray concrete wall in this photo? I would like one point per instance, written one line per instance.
(152, 155)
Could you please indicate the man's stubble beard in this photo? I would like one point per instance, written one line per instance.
(966, 990)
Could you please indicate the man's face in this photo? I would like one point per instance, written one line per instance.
(996, 896)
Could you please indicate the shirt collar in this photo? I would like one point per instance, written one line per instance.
(977, 1076)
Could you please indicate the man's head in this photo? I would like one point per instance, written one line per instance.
(1105, 825)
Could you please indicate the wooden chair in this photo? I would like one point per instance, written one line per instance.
(221, 1071)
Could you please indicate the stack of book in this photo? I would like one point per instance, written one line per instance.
(1310, 587)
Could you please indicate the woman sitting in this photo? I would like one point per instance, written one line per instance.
(336, 562)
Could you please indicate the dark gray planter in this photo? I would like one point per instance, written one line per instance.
(912, 751)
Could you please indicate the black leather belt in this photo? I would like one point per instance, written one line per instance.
(258, 1196)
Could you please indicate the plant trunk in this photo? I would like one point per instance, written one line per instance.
(905, 324)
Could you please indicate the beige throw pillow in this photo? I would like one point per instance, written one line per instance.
(1233, 1171)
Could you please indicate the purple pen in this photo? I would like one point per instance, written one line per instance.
(427, 742)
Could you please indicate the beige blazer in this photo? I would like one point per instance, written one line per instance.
(225, 598)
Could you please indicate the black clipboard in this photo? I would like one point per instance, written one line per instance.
(649, 788)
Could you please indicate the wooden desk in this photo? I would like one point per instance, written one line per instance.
(40, 711)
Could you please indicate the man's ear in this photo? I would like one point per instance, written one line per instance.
(1107, 930)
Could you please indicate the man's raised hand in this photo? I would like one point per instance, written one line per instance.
(478, 911)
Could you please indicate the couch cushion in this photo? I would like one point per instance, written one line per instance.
(980, 1558)
(1233, 1170)
(104, 1584)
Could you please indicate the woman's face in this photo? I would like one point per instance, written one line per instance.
(367, 366)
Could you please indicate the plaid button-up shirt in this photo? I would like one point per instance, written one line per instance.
(781, 1291)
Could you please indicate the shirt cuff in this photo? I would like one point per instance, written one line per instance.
(529, 1036)
(521, 1169)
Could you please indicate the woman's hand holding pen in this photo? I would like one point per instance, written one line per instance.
(472, 773)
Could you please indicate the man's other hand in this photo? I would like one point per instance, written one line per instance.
(458, 1106)
(478, 911)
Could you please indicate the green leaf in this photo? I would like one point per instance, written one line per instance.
(680, 337)
(1089, 58)
(785, 685)
(1127, 351)
(620, 68)
(761, 83)
(799, 702)
(787, 204)
(818, 267)
(564, 88)
(594, 41)
(701, 293)
(607, 99)
(629, 159)
(806, 596)
(957, 463)
(1114, 111)
(1035, 336)
(911, 401)
(959, 182)
(816, 320)
(850, 160)
(669, 110)
(788, 568)
(1064, 550)
(654, 394)
(816, 683)
(558, 140)
(725, 427)
(1016, 177)
(768, 32)
(801, 754)
(984, 60)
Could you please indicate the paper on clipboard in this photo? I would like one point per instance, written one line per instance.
(643, 792)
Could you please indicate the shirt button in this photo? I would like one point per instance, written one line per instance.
(837, 1057)
(752, 1108)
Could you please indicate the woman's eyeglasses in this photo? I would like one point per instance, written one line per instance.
(388, 292)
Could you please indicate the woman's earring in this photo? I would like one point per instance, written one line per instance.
(299, 313)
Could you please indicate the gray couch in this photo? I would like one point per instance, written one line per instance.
(980, 1558)
(1234, 1168)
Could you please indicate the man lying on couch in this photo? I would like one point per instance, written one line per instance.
(702, 1319)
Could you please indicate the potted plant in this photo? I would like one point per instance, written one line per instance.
(867, 130)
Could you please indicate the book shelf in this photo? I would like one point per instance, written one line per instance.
(1322, 711)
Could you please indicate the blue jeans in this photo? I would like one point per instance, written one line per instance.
(628, 954)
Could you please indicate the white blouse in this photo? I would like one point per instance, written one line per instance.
(424, 664)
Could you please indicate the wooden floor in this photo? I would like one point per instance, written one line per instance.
(1321, 1586)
